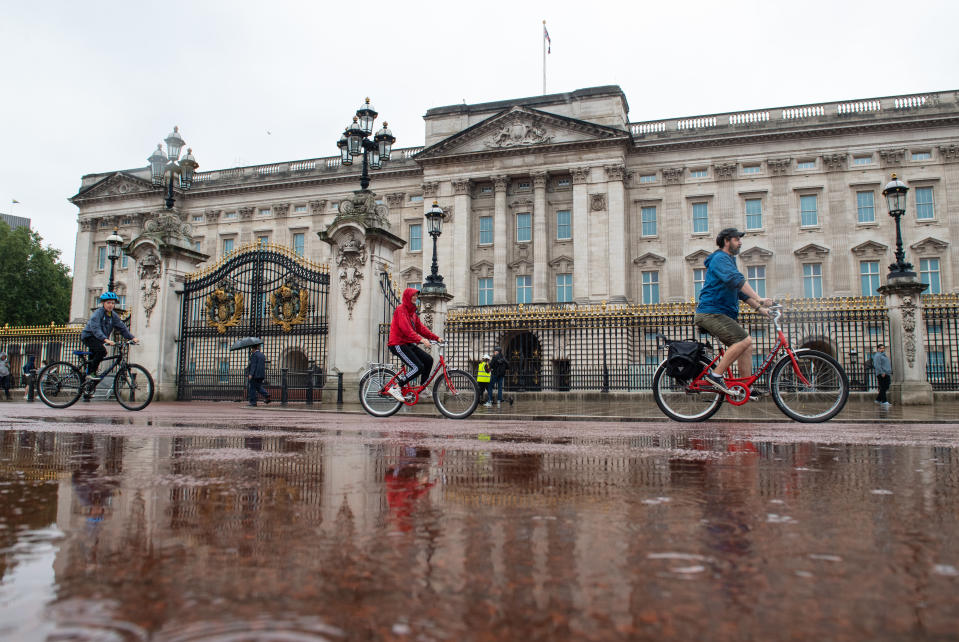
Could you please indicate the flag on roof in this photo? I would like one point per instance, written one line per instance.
(549, 43)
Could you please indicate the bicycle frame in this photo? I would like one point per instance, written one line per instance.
(745, 383)
(117, 360)
(415, 390)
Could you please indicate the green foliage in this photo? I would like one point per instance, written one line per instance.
(34, 285)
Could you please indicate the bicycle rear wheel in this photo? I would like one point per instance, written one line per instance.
(60, 384)
(133, 387)
(681, 404)
(458, 398)
(821, 398)
(372, 398)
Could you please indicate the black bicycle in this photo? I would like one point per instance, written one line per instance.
(61, 384)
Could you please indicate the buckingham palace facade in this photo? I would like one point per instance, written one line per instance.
(562, 199)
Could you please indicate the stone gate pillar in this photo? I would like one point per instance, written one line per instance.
(907, 342)
(163, 255)
(362, 247)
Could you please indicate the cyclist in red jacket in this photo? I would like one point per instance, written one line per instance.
(406, 331)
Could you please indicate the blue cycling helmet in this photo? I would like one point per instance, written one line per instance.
(109, 296)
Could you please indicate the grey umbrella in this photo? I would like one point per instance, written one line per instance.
(246, 342)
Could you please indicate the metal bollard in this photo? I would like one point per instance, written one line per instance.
(284, 387)
(309, 387)
(339, 388)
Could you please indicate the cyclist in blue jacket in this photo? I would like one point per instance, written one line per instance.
(96, 333)
(718, 308)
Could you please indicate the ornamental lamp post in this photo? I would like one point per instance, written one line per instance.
(114, 243)
(434, 223)
(169, 167)
(356, 140)
(895, 193)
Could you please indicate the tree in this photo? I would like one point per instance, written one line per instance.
(35, 286)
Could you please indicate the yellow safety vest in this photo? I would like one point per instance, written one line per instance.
(483, 375)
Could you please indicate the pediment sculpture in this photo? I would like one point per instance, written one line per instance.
(519, 133)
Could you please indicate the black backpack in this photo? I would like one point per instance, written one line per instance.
(684, 360)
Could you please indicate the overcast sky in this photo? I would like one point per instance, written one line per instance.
(93, 86)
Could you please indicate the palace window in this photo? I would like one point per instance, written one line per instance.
(101, 257)
(564, 288)
(751, 169)
(524, 227)
(486, 189)
(524, 289)
(299, 243)
(647, 178)
(299, 209)
(197, 218)
(699, 280)
(869, 277)
(809, 210)
(563, 182)
(416, 199)
(918, 156)
(651, 287)
(754, 213)
(698, 173)
(700, 218)
(196, 245)
(925, 207)
(866, 207)
(806, 164)
(861, 160)
(564, 230)
(812, 280)
(486, 230)
(935, 365)
(124, 261)
(648, 217)
(227, 246)
(229, 216)
(263, 240)
(756, 274)
(416, 237)
(485, 291)
(224, 371)
(523, 186)
(122, 301)
(416, 285)
(265, 211)
(929, 273)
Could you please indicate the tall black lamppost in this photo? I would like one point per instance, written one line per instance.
(895, 193)
(168, 167)
(114, 243)
(434, 222)
(355, 140)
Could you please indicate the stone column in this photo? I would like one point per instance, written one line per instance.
(907, 342)
(362, 248)
(616, 225)
(540, 239)
(462, 246)
(782, 276)
(246, 226)
(500, 239)
(580, 235)
(164, 256)
(79, 301)
(674, 227)
(835, 223)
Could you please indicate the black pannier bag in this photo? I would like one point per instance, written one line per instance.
(684, 360)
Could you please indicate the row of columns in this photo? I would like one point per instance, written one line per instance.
(599, 237)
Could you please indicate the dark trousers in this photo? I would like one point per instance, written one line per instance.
(417, 361)
(498, 382)
(5, 384)
(254, 386)
(97, 353)
(883, 381)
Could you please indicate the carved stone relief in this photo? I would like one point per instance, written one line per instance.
(461, 186)
(580, 175)
(909, 328)
(539, 179)
(500, 183)
(430, 189)
(949, 152)
(246, 213)
(395, 199)
(725, 171)
(672, 175)
(86, 225)
(892, 157)
(522, 132)
(615, 172)
(778, 166)
(318, 207)
(834, 162)
(351, 257)
(212, 216)
(597, 202)
(281, 209)
(148, 269)
(427, 314)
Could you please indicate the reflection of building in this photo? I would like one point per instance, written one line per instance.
(561, 198)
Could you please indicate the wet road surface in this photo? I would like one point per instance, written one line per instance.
(209, 522)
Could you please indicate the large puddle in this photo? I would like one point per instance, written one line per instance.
(121, 534)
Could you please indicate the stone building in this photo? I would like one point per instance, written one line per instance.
(560, 198)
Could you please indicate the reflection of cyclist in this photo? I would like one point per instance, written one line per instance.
(406, 331)
(406, 482)
(718, 307)
(98, 329)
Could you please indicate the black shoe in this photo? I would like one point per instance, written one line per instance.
(511, 401)
(716, 382)
(266, 401)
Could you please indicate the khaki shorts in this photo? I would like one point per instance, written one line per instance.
(722, 327)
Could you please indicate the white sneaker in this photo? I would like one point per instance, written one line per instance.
(487, 404)
(426, 394)
(396, 393)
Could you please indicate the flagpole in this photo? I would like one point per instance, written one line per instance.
(543, 38)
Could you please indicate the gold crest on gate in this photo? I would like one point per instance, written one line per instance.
(224, 306)
(288, 305)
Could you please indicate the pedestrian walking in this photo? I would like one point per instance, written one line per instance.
(29, 369)
(498, 367)
(5, 374)
(255, 374)
(883, 367)
(483, 379)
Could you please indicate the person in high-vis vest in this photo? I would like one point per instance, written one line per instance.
(483, 379)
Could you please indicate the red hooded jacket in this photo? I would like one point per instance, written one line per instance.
(406, 326)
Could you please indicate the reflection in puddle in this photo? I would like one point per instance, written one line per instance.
(375, 535)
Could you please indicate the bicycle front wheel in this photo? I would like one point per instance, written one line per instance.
(372, 396)
(133, 387)
(456, 394)
(679, 403)
(60, 384)
(820, 397)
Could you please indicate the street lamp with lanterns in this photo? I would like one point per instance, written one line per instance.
(434, 225)
(169, 167)
(895, 193)
(355, 141)
(114, 251)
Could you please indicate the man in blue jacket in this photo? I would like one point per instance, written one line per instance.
(718, 308)
(96, 333)
(255, 374)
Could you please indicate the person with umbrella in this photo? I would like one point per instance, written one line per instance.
(255, 369)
